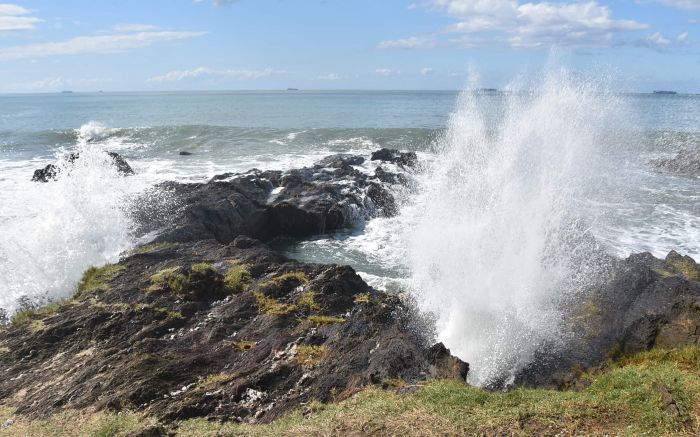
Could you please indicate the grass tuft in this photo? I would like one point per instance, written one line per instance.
(325, 320)
(237, 279)
(310, 355)
(169, 278)
(153, 247)
(26, 316)
(362, 298)
(269, 305)
(98, 278)
(308, 300)
(244, 345)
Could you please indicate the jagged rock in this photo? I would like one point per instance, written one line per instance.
(154, 338)
(390, 155)
(685, 163)
(330, 195)
(50, 172)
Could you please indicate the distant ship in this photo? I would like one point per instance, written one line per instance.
(665, 92)
(66, 92)
(292, 89)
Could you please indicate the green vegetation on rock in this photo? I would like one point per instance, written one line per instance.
(98, 278)
(170, 278)
(25, 316)
(310, 355)
(325, 320)
(237, 279)
(269, 305)
(153, 247)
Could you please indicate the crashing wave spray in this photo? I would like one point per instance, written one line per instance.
(498, 247)
(53, 231)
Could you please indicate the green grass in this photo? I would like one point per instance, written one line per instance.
(288, 277)
(202, 268)
(269, 305)
(26, 316)
(98, 278)
(310, 355)
(325, 320)
(237, 279)
(308, 300)
(169, 278)
(622, 400)
(153, 247)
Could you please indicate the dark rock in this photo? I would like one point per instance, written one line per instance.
(177, 348)
(643, 303)
(51, 171)
(685, 163)
(328, 196)
(185, 153)
(390, 155)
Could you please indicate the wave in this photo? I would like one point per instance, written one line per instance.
(496, 241)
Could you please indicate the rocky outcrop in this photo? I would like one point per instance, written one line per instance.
(390, 155)
(330, 195)
(232, 332)
(685, 163)
(644, 302)
(51, 171)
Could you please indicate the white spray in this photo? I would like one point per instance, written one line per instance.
(53, 231)
(496, 247)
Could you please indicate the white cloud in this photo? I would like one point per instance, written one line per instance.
(14, 17)
(93, 44)
(134, 27)
(657, 39)
(682, 38)
(385, 72)
(426, 71)
(330, 76)
(681, 4)
(533, 24)
(176, 75)
(413, 42)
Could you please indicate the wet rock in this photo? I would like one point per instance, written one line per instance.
(220, 331)
(685, 163)
(330, 195)
(185, 153)
(390, 155)
(51, 171)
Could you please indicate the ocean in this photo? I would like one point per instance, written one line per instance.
(504, 174)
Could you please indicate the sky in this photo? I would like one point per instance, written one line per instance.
(167, 45)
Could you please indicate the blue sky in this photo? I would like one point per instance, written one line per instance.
(51, 45)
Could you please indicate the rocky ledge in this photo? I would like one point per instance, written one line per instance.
(207, 321)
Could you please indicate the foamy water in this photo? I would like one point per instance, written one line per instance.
(493, 238)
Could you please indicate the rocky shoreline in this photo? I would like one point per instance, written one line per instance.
(209, 322)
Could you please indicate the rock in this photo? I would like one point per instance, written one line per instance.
(685, 163)
(390, 155)
(642, 303)
(184, 153)
(51, 171)
(162, 338)
(330, 195)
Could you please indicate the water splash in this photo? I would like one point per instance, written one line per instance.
(497, 245)
(53, 231)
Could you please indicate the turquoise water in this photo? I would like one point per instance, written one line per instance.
(52, 232)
